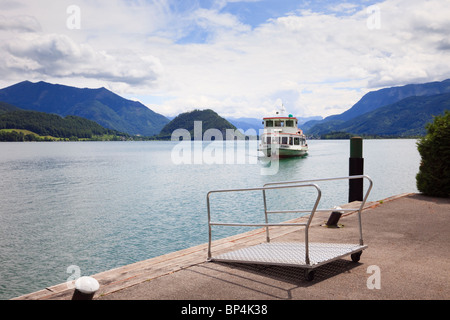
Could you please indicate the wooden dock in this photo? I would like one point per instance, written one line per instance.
(123, 277)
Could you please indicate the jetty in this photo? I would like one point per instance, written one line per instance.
(407, 259)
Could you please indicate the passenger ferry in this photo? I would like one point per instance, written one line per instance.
(282, 137)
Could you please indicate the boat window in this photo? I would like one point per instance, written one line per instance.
(291, 141)
(284, 140)
(269, 123)
(279, 123)
(269, 140)
(289, 123)
(297, 141)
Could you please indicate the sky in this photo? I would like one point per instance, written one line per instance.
(241, 58)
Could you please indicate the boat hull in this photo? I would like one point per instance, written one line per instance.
(282, 152)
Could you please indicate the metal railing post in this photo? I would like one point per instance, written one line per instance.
(266, 217)
(209, 226)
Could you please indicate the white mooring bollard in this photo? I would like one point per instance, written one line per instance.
(85, 288)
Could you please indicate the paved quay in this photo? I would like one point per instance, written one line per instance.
(407, 259)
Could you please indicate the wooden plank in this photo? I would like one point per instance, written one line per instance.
(125, 276)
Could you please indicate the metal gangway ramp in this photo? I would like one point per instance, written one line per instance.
(307, 255)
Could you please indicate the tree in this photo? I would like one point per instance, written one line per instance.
(433, 178)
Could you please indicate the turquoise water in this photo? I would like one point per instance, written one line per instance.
(101, 205)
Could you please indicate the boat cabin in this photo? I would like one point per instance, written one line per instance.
(283, 131)
(280, 123)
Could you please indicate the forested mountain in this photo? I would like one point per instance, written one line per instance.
(209, 120)
(44, 124)
(6, 107)
(400, 111)
(407, 117)
(245, 124)
(99, 105)
(378, 99)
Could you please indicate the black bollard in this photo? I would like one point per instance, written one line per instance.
(356, 168)
(334, 218)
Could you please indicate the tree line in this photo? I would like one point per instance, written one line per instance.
(43, 124)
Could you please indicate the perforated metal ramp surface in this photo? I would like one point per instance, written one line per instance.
(290, 254)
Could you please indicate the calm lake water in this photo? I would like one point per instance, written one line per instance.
(79, 208)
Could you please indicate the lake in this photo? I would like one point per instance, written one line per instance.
(70, 209)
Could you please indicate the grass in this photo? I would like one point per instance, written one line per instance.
(105, 137)
(25, 132)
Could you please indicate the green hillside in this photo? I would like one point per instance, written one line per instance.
(50, 126)
(209, 120)
(6, 107)
(404, 118)
(374, 100)
(100, 105)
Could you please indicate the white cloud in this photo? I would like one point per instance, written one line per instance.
(19, 24)
(319, 64)
(58, 56)
(329, 61)
(344, 7)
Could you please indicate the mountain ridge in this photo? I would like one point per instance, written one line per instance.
(100, 105)
(386, 96)
(407, 117)
(14, 120)
(209, 120)
(131, 117)
(374, 100)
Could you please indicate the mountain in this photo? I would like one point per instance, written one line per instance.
(377, 99)
(407, 117)
(384, 97)
(100, 105)
(209, 120)
(44, 124)
(245, 124)
(303, 120)
(6, 107)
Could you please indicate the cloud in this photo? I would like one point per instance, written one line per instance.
(248, 70)
(344, 7)
(19, 24)
(175, 56)
(58, 56)
(328, 61)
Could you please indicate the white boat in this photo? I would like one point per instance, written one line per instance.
(282, 138)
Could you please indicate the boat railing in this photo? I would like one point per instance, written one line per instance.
(287, 185)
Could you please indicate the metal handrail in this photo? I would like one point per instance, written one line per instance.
(283, 185)
(361, 242)
(319, 193)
